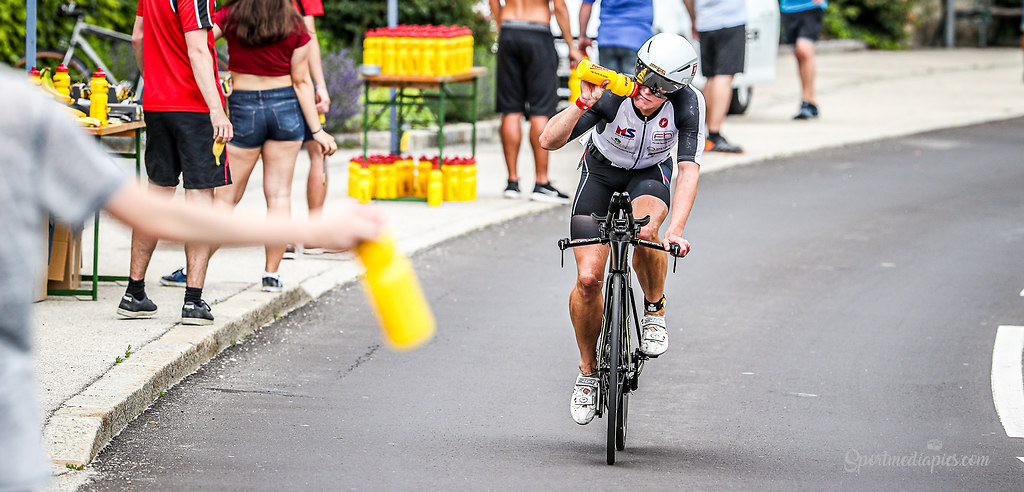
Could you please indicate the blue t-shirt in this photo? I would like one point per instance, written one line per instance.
(790, 6)
(625, 23)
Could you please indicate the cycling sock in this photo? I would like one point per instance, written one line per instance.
(193, 294)
(653, 307)
(136, 289)
(274, 275)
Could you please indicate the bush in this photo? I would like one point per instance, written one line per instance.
(344, 87)
(52, 30)
(880, 23)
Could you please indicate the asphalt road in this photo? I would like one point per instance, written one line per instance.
(833, 329)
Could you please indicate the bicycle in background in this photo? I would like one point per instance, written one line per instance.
(619, 360)
(81, 70)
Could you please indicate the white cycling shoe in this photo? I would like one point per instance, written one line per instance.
(654, 341)
(583, 406)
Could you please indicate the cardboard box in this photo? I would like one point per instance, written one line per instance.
(65, 268)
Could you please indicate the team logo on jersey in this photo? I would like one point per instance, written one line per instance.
(625, 132)
(661, 137)
(663, 122)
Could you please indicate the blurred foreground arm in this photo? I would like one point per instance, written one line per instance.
(347, 225)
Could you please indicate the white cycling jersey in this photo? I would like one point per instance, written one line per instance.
(630, 140)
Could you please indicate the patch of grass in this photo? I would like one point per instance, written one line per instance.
(75, 467)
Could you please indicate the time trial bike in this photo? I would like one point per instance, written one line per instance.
(619, 360)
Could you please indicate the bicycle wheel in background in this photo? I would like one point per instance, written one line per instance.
(615, 377)
(77, 69)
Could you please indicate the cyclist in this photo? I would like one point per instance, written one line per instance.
(631, 150)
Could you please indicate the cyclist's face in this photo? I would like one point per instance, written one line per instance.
(646, 100)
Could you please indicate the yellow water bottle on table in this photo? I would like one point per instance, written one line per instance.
(98, 98)
(435, 188)
(393, 289)
(62, 80)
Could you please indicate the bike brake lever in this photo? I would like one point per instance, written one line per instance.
(562, 244)
(674, 251)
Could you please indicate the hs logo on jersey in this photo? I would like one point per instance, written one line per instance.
(625, 132)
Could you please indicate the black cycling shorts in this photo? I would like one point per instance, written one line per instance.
(526, 78)
(181, 144)
(723, 52)
(805, 24)
(599, 179)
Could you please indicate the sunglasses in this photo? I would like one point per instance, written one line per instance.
(657, 83)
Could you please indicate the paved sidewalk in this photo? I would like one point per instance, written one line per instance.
(86, 398)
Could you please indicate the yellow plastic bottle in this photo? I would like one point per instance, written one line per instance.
(62, 80)
(435, 188)
(395, 293)
(372, 48)
(430, 53)
(389, 62)
(422, 175)
(98, 99)
(469, 179)
(596, 74)
(33, 76)
(364, 184)
(354, 165)
(574, 84)
(450, 171)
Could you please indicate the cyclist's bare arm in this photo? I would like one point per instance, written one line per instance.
(137, 41)
(682, 203)
(202, 69)
(559, 129)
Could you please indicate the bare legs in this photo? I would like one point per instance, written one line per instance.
(807, 67)
(718, 94)
(511, 139)
(586, 301)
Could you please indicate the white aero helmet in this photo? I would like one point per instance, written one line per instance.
(665, 63)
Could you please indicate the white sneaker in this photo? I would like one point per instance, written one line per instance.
(654, 341)
(583, 406)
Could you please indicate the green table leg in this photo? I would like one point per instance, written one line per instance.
(440, 127)
(366, 118)
(473, 116)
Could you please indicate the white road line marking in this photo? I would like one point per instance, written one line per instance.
(1021, 458)
(1008, 380)
(1022, 293)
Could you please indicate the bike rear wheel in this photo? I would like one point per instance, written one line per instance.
(77, 69)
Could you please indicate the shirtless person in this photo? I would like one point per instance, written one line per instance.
(527, 83)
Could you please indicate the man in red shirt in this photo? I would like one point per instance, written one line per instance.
(184, 110)
(316, 183)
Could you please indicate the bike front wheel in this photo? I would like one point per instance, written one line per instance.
(616, 377)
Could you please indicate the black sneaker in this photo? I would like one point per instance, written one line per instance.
(548, 193)
(196, 314)
(512, 190)
(807, 111)
(718, 143)
(176, 279)
(271, 284)
(131, 307)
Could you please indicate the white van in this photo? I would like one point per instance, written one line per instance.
(671, 16)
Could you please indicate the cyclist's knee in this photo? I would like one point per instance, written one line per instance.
(649, 233)
(588, 284)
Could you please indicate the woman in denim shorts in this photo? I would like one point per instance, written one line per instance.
(268, 49)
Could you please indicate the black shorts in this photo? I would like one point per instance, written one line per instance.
(526, 78)
(599, 179)
(723, 52)
(181, 143)
(805, 24)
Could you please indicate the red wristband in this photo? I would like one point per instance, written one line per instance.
(579, 104)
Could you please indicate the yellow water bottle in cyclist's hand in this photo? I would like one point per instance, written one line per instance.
(394, 291)
(618, 84)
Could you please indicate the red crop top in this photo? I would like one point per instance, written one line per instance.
(272, 60)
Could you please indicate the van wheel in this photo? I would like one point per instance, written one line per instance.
(740, 99)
